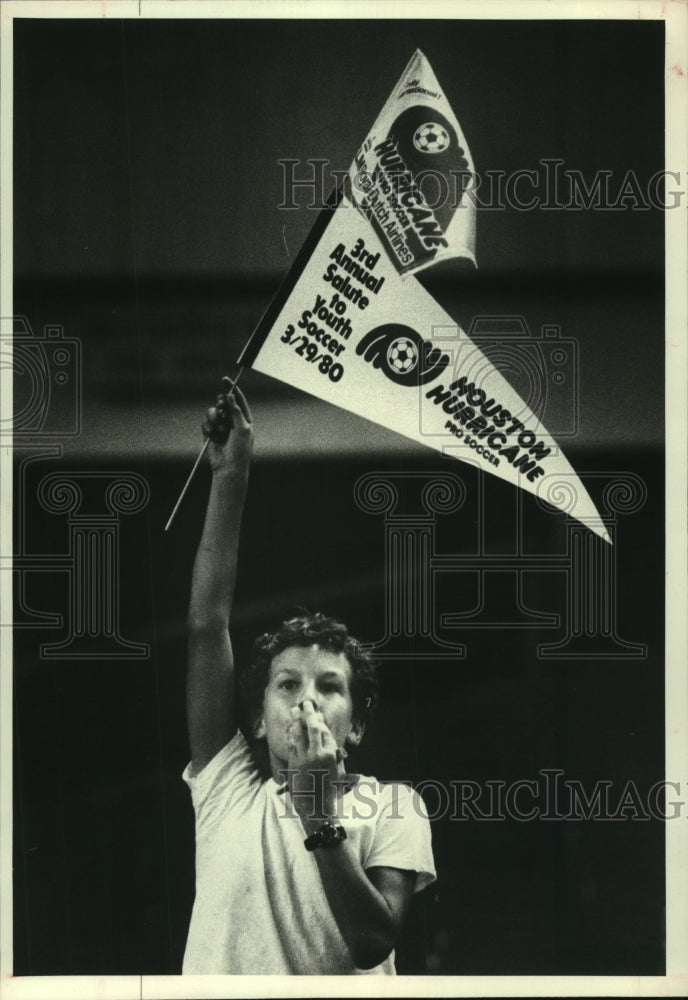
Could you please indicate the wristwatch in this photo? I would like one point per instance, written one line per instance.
(328, 835)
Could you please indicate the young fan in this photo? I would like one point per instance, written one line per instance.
(309, 870)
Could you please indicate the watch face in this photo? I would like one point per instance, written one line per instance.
(327, 836)
(330, 834)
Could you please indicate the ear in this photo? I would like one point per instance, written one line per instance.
(259, 730)
(355, 734)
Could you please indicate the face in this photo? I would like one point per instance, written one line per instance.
(298, 673)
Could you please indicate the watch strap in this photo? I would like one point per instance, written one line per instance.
(328, 835)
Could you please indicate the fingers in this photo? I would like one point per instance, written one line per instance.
(237, 404)
(312, 759)
(313, 733)
(315, 727)
(230, 411)
(216, 425)
(305, 731)
(296, 733)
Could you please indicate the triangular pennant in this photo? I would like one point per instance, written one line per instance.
(351, 326)
(346, 328)
(410, 175)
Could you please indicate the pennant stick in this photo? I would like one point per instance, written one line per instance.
(197, 462)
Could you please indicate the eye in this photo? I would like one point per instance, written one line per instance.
(287, 684)
(331, 687)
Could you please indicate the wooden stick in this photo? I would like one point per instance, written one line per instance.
(197, 462)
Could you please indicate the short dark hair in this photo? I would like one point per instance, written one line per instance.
(312, 630)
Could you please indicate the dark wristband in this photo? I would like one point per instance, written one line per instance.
(328, 835)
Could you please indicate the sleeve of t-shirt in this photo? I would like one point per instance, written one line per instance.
(402, 835)
(230, 776)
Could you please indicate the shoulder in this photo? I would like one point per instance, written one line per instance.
(234, 754)
(231, 777)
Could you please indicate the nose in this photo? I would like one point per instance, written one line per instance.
(309, 697)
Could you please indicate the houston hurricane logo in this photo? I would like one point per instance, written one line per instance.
(427, 142)
(402, 354)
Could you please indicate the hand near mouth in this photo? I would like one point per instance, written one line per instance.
(314, 762)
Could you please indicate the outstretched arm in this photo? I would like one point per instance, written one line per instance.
(210, 692)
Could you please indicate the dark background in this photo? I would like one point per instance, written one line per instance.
(146, 221)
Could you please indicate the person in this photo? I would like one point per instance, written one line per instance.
(304, 869)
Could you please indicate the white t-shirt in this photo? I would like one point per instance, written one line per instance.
(260, 907)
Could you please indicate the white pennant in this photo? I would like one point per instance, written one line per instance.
(410, 175)
(351, 325)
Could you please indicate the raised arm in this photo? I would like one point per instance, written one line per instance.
(210, 692)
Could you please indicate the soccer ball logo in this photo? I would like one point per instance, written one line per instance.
(431, 138)
(402, 355)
